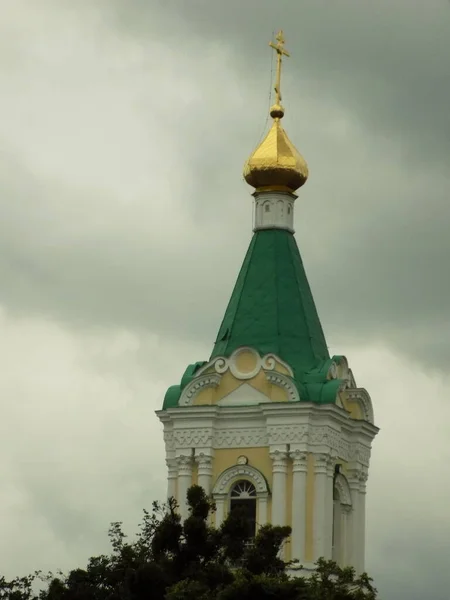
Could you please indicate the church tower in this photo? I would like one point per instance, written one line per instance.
(271, 421)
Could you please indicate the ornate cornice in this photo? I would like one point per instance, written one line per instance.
(312, 437)
(288, 434)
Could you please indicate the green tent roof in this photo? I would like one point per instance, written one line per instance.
(272, 308)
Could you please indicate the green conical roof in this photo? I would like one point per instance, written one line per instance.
(272, 308)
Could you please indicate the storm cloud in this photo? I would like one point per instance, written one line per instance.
(125, 218)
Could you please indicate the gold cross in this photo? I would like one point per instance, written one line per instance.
(279, 47)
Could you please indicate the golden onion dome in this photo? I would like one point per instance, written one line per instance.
(276, 164)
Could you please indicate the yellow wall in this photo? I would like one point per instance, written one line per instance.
(229, 384)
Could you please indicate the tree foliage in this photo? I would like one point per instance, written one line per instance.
(171, 560)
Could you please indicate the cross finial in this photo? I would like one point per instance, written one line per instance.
(279, 48)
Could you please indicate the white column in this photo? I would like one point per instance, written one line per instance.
(204, 463)
(336, 549)
(345, 535)
(329, 493)
(353, 530)
(320, 504)
(220, 508)
(262, 509)
(299, 469)
(172, 473)
(279, 481)
(279, 478)
(362, 519)
(184, 483)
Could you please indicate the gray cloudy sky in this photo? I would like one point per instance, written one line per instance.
(124, 221)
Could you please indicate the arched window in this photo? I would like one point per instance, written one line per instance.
(241, 485)
(243, 498)
(342, 506)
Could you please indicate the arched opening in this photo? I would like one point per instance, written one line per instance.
(342, 507)
(243, 498)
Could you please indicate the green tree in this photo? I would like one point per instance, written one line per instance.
(171, 560)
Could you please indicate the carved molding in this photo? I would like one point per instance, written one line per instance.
(257, 437)
(205, 463)
(323, 463)
(225, 479)
(328, 436)
(299, 461)
(169, 440)
(241, 438)
(343, 488)
(361, 397)
(172, 467)
(196, 386)
(279, 461)
(192, 438)
(184, 463)
(287, 434)
(285, 383)
(359, 454)
(222, 364)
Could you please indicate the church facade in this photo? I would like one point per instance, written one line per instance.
(271, 421)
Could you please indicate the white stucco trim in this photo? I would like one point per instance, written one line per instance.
(361, 397)
(285, 383)
(274, 210)
(343, 488)
(221, 364)
(196, 386)
(226, 479)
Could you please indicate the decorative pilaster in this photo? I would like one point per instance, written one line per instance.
(279, 481)
(299, 470)
(363, 476)
(172, 473)
(329, 509)
(346, 515)
(204, 463)
(321, 505)
(355, 517)
(184, 483)
(279, 478)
